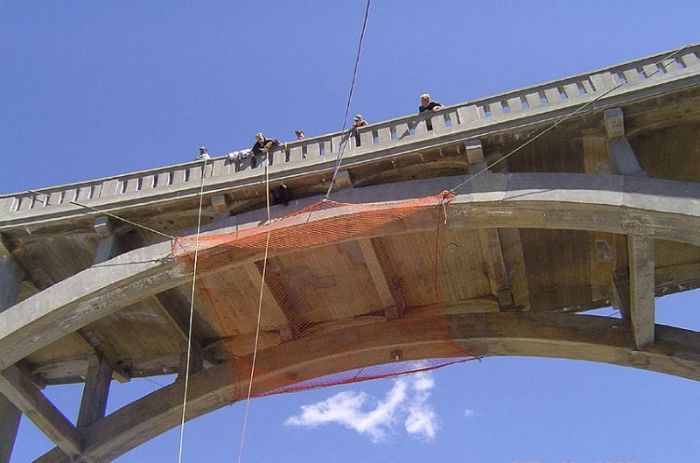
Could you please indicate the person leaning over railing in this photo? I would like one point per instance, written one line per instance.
(262, 145)
(203, 154)
(427, 105)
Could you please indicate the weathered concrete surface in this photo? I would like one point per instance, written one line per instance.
(599, 339)
(9, 423)
(316, 156)
(624, 205)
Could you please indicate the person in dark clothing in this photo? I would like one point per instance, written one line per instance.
(358, 121)
(262, 145)
(427, 105)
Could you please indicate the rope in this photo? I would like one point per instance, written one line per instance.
(561, 121)
(189, 330)
(114, 216)
(347, 105)
(257, 327)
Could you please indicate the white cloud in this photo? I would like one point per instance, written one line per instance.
(468, 412)
(407, 401)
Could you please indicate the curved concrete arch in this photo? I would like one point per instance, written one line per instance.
(658, 209)
(599, 339)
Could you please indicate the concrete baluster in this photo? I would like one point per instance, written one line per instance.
(178, 176)
(366, 138)
(420, 125)
(603, 81)
(402, 131)
(652, 71)
(295, 154)
(469, 115)
(437, 118)
(572, 91)
(553, 96)
(6, 204)
(534, 100)
(632, 76)
(312, 150)
(496, 108)
(690, 59)
(515, 104)
(147, 182)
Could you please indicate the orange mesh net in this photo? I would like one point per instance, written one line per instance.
(351, 292)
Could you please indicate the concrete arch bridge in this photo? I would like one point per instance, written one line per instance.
(603, 210)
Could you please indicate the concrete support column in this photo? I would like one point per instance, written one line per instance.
(620, 153)
(11, 276)
(95, 392)
(9, 423)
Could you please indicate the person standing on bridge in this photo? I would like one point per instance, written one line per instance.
(427, 105)
(300, 134)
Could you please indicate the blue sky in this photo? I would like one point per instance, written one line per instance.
(89, 89)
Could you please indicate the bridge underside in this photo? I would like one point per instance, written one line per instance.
(492, 303)
(597, 213)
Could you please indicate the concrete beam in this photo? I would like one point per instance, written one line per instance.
(22, 392)
(270, 304)
(475, 156)
(620, 153)
(95, 392)
(611, 204)
(342, 180)
(591, 338)
(514, 261)
(220, 204)
(492, 253)
(641, 271)
(11, 276)
(9, 423)
(381, 284)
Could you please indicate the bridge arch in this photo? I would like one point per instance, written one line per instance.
(600, 339)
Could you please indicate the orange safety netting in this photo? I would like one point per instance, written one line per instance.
(351, 292)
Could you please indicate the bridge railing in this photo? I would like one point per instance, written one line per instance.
(363, 143)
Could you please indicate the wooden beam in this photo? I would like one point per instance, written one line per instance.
(641, 268)
(492, 254)
(620, 153)
(95, 392)
(392, 310)
(9, 423)
(22, 392)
